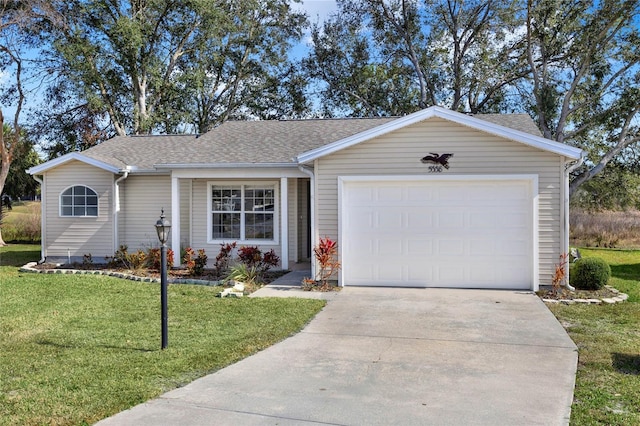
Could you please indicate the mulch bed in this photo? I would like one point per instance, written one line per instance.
(172, 273)
(564, 294)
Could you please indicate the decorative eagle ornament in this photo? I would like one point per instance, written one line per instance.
(443, 159)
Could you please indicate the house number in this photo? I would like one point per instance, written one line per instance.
(438, 162)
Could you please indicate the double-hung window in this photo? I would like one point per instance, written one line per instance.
(79, 201)
(243, 212)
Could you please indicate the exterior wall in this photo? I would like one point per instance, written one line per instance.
(141, 199)
(185, 213)
(77, 236)
(475, 152)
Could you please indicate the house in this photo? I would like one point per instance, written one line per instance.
(435, 198)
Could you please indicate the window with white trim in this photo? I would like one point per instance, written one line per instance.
(79, 201)
(243, 212)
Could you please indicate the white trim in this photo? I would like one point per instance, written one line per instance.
(207, 166)
(43, 218)
(116, 210)
(41, 168)
(255, 172)
(312, 213)
(85, 207)
(243, 183)
(175, 219)
(453, 116)
(284, 220)
(532, 180)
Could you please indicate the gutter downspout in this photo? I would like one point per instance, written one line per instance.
(43, 220)
(312, 195)
(567, 172)
(116, 206)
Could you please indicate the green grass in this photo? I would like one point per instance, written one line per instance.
(78, 348)
(608, 338)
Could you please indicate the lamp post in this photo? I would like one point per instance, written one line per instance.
(163, 227)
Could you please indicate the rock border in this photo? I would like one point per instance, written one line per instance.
(619, 298)
(30, 267)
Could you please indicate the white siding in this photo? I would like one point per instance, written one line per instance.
(77, 236)
(185, 212)
(142, 198)
(475, 152)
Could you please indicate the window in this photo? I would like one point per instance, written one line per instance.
(79, 201)
(243, 212)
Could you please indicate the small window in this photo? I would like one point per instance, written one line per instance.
(79, 201)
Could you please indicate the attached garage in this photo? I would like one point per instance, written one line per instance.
(439, 231)
(444, 199)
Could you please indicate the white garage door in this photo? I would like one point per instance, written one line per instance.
(468, 233)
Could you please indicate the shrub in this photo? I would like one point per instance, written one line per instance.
(195, 264)
(590, 274)
(246, 274)
(224, 258)
(326, 253)
(154, 256)
(254, 258)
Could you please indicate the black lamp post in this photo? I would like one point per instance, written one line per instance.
(163, 227)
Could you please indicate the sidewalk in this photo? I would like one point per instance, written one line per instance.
(290, 285)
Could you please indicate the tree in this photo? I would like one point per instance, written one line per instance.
(584, 59)
(19, 183)
(164, 66)
(13, 16)
(352, 77)
(458, 54)
(244, 72)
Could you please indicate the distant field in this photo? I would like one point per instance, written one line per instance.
(22, 223)
(607, 229)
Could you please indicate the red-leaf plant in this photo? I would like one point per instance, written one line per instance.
(560, 274)
(326, 253)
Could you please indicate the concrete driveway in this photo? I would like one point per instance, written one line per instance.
(379, 356)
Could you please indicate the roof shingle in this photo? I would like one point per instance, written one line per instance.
(242, 142)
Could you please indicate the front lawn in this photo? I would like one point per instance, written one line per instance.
(608, 339)
(78, 348)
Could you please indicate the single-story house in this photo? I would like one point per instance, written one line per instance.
(435, 198)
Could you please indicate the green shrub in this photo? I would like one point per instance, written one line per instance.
(591, 273)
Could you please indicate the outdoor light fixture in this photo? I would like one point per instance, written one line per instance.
(163, 227)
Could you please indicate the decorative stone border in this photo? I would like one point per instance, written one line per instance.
(30, 267)
(619, 298)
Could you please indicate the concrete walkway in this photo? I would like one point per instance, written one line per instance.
(380, 356)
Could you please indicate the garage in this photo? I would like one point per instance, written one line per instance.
(469, 231)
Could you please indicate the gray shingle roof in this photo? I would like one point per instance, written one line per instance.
(241, 142)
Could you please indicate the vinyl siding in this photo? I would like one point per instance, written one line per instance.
(141, 200)
(77, 236)
(475, 152)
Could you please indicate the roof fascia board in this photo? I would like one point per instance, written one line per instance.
(454, 116)
(239, 173)
(174, 166)
(41, 168)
